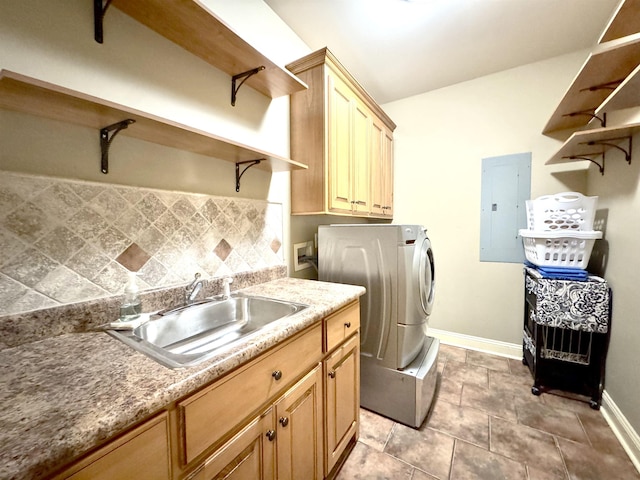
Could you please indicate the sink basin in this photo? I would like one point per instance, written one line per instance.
(192, 334)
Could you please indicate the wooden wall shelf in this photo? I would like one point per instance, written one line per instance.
(195, 28)
(625, 96)
(625, 21)
(595, 143)
(608, 64)
(28, 95)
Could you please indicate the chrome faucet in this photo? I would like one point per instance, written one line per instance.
(192, 290)
(226, 288)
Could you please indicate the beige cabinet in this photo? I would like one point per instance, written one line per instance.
(299, 430)
(142, 453)
(342, 399)
(249, 454)
(381, 170)
(289, 414)
(333, 131)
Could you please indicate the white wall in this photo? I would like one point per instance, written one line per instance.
(619, 197)
(439, 143)
(53, 41)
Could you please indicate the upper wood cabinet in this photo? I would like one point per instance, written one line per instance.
(346, 140)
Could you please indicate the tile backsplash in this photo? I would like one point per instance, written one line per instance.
(64, 241)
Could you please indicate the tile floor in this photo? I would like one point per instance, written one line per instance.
(486, 425)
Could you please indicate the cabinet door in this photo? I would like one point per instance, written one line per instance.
(387, 172)
(299, 430)
(360, 158)
(142, 453)
(377, 174)
(342, 398)
(248, 455)
(339, 147)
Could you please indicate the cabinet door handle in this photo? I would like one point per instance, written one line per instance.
(361, 202)
(284, 421)
(271, 435)
(348, 324)
(332, 374)
(277, 374)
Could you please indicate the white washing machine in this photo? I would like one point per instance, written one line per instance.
(394, 263)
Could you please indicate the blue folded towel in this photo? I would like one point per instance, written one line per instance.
(562, 273)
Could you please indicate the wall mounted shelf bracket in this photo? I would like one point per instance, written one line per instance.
(585, 157)
(603, 86)
(105, 141)
(249, 164)
(99, 10)
(244, 76)
(608, 143)
(589, 113)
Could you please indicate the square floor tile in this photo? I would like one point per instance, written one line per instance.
(474, 463)
(464, 423)
(585, 463)
(374, 429)
(426, 449)
(365, 463)
(526, 445)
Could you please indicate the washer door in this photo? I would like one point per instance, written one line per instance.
(426, 276)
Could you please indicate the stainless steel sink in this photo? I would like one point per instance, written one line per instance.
(190, 335)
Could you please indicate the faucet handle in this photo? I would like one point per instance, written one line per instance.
(227, 280)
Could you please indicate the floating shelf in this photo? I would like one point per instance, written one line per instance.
(591, 144)
(605, 69)
(625, 96)
(625, 21)
(195, 28)
(28, 95)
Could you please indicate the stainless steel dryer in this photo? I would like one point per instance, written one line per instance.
(395, 264)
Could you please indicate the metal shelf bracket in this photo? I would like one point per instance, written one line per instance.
(585, 157)
(589, 113)
(105, 141)
(99, 10)
(244, 76)
(603, 86)
(608, 143)
(249, 164)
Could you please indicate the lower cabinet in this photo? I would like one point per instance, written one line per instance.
(250, 454)
(299, 434)
(284, 442)
(142, 453)
(289, 414)
(342, 399)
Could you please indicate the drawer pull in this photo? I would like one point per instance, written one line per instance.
(284, 421)
(348, 324)
(271, 435)
(277, 374)
(332, 374)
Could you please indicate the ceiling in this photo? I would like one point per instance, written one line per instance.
(400, 48)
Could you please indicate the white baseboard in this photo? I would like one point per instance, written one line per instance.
(496, 347)
(628, 437)
(622, 429)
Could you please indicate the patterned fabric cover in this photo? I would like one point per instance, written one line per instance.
(569, 304)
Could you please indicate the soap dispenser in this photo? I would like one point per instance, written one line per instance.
(131, 307)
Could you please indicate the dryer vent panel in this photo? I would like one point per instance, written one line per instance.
(506, 185)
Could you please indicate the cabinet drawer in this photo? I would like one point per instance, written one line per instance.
(211, 414)
(341, 325)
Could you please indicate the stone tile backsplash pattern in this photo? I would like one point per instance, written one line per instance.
(64, 241)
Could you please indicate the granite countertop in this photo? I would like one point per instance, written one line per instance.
(64, 395)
